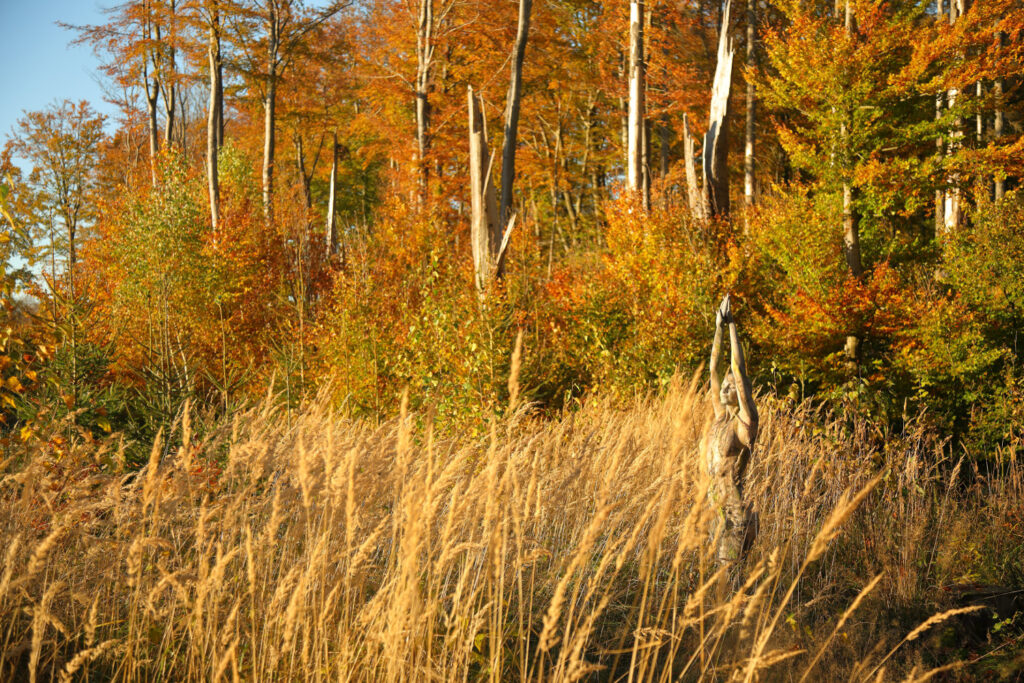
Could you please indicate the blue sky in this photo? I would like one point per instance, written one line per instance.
(37, 66)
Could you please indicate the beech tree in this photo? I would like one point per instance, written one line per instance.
(491, 227)
(277, 29)
(134, 47)
(637, 101)
(61, 143)
(512, 107)
(206, 15)
(748, 150)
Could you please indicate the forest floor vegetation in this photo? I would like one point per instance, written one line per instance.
(309, 546)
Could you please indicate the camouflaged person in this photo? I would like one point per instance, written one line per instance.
(727, 443)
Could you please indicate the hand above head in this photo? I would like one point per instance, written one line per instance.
(725, 312)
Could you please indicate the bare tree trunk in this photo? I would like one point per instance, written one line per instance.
(623, 114)
(515, 94)
(485, 233)
(664, 147)
(952, 204)
(940, 148)
(183, 121)
(748, 152)
(152, 88)
(213, 114)
(424, 61)
(940, 145)
(851, 222)
(645, 149)
(586, 167)
(152, 96)
(637, 105)
(851, 232)
(979, 119)
(220, 98)
(170, 110)
(218, 66)
(166, 66)
(694, 194)
(981, 184)
(332, 231)
(273, 23)
(998, 124)
(716, 140)
(269, 132)
(300, 166)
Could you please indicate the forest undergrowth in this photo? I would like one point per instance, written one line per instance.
(309, 546)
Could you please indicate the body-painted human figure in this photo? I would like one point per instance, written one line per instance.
(728, 441)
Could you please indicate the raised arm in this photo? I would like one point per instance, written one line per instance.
(716, 381)
(748, 411)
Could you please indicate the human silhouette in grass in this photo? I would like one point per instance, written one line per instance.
(728, 440)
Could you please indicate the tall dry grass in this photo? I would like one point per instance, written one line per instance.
(332, 549)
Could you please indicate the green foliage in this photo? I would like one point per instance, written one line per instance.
(985, 264)
(967, 357)
(404, 315)
(643, 311)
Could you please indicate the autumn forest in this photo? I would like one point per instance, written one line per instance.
(370, 339)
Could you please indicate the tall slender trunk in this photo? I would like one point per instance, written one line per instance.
(269, 110)
(664, 148)
(981, 184)
(997, 125)
(213, 115)
(332, 209)
(940, 149)
(273, 27)
(152, 95)
(851, 232)
(151, 84)
(300, 166)
(170, 111)
(637, 105)
(485, 232)
(851, 219)
(645, 150)
(220, 98)
(696, 197)
(424, 61)
(952, 198)
(166, 65)
(269, 134)
(940, 145)
(748, 152)
(515, 94)
(183, 121)
(623, 115)
(979, 119)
